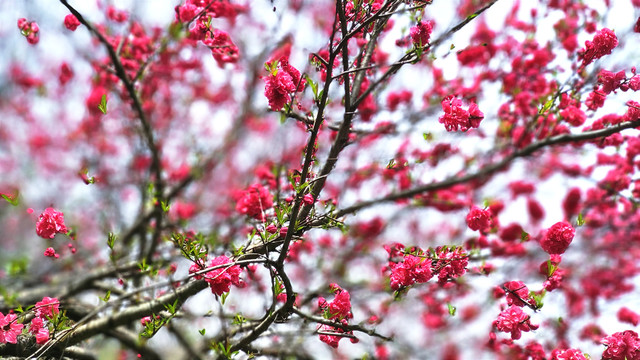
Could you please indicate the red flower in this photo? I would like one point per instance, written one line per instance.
(573, 115)
(254, 201)
(340, 307)
(47, 307)
(517, 292)
(278, 86)
(9, 329)
(413, 269)
(71, 22)
(479, 219)
(456, 117)
(625, 315)
(621, 346)
(49, 223)
(558, 238)
(603, 43)
(513, 320)
(30, 30)
(220, 280)
(421, 32)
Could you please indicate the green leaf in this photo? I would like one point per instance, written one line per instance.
(547, 106)
(472, 16)
(524, 236)
(11, 198)
(103, 104)
(427, 136)
(111, 239)
(202, 331)
(165, 206)
(580, 220)
(223, 298)
(107, 296)
(452, 309)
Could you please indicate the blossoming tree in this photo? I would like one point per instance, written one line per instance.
(383, 179)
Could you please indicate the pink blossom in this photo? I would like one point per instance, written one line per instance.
(479, 219)
(558, 238)
(30, 30)
(220, 280)
(570, 354)
(49, 223)
(71, 22)
(421, 32)
(9, 329)
(412, 270)
(622, 346)
(603, 43)
(254, 202)
(628, 316)
(50, 252)
(517, 292)
(278, 86)
(573, 115)
(42, 336)
(455, 117)
(340, 306)
(47, 307)
(513, 320)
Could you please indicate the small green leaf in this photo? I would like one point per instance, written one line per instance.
(391, 164)
(202, 331)
(427, 136)
(11, 198)
(580, 220)
(452, 309)
(472, 16)
(111, 239)
(165, 206)
(524, 236)
(452, 47)
(223, 298)
(103, 104)
(547, 106)
(107, 296)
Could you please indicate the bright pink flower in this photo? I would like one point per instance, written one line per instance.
(9, 329)
(254, 202)
(513, 320)
(30, 30)
(610, 81)
(479, 219)
(220, 280)
(558, 238)
(278, 86)
(603, 43)
(223, 50)
(569, 354)
(456, 117)
(71, 22)
(49, 223)
(517, 292)
(340, 307)
(421, 32)
(331, 340)
(625, 315)
(573, 115)
(452, 263)
(118, 16)
(42, 336)
(36, 324)
(413, 269)
(145, 320)
(622, 346)
(51, 252)
(47, 307)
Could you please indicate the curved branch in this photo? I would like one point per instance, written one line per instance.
(487, 170)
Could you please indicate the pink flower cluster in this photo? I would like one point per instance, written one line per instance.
(479, 219)
(514, 320)
(50, 223)
(220, 280)
(10, 328)
(517, 293)
(421, 33)
(71, 22)
(254, 201)
(30, 30)
(451, 263)
(413, 269)
(339, 309)
(622, 346)
(568, 354)
(280, 84)
(455, 117)
(557, 238)
(603, 43)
